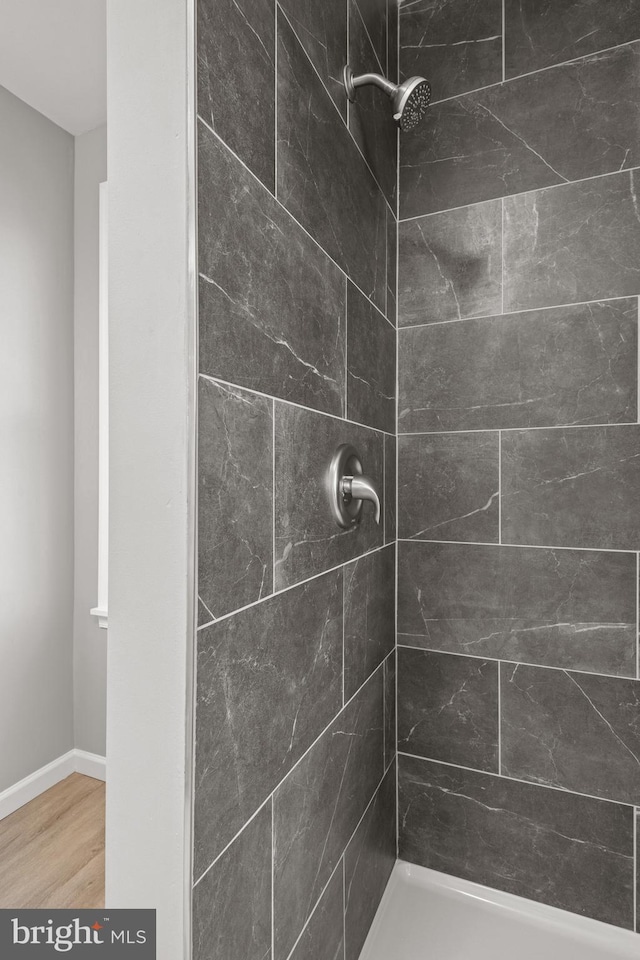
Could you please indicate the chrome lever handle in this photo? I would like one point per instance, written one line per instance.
(361, 488)
(347, 488)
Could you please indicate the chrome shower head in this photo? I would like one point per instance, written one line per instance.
(410, 102)
(409, 99)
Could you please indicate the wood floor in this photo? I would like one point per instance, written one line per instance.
(52, 849)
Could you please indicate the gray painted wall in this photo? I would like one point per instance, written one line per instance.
(36, 437)
(90, 642)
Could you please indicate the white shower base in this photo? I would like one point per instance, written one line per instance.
(426, 915)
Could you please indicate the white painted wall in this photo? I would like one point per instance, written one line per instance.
(90, 642)
(150, 94)
(36, 440)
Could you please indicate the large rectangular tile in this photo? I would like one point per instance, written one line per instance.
(572, 730)
(368, 862)
(370, 117)
(389, 489)
(308, 539)
(285, 651)
(369, 615)
(577, 242)
(637, 870)
(558, 366)
(448, 487)
(319, 805)
(560, 608)
(455, 44)
(569, 851)
(450, 265)
(321, 28)
(392, 267)
(543, 32)
(271, 304)
(371, 364)
(572, 487)
(323, 937)
(374, 17)
(512, 137)
(448, 708)
(232, 902)
(322, 178)
(235, 498)
(389, 709)
(236, 57)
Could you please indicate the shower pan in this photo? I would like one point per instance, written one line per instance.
(425, 915)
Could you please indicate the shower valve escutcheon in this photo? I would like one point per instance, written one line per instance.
(348, 487)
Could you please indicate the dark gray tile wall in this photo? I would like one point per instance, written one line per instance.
(368, 861)
(559, 608)
(518, 452)
(318, 807)
(512, 137)
(232, 903)
(575, 852)
(451, 265)
(448, 708)
(236, 57)
(455, 44)
(559, 366)
(540, 33)
(295, 711)
(448, 487)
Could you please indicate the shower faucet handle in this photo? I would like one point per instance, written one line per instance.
(361, 488)
(348, 488)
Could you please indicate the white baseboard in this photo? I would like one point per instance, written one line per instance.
(75, 761)
(91, 764)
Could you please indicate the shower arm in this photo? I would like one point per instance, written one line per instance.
(351, 83)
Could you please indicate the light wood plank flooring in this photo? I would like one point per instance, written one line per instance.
(52, 849)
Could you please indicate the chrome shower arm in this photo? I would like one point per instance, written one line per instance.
(351, 83)
(376, 80)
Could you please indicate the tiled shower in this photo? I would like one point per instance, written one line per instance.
(500, 260)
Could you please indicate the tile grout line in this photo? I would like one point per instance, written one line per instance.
(529, 783)
(273, 886)
(516, 663)
(502, 253)
(291, 586)
(635, 869)
(499, 486)
(273, 494)
(344, 571)
(292, 403)
(344, 907)
(532, 73)
(286, 210)
(346, 347)
(273, 792)
(504, 43)
(275, 100)
(553, 426)
(527, 546)
(499, 722)
(521, 193)
(513, 313)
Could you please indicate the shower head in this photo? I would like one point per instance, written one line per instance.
(409, 100)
